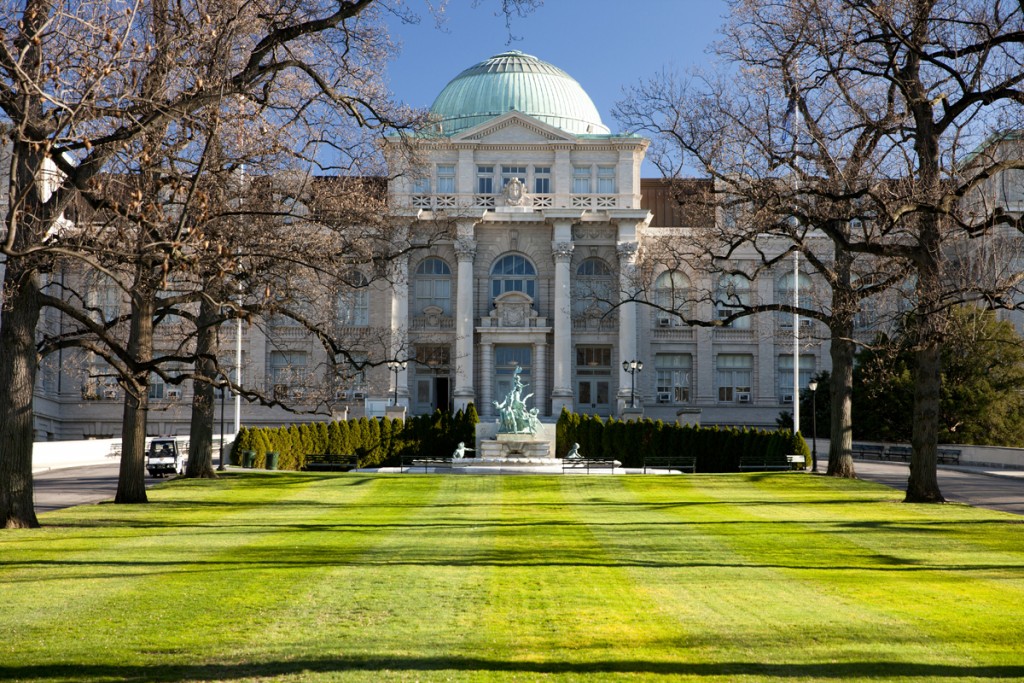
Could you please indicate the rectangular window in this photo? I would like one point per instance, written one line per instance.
(606, 179)
(485, 179)
(434, 358)
(593, 360)
(288, 367)
(351, 375)
(581, 179)
(446, 179)
(673, 377)
(542, 180)
(785, 375)
(734, 374)
(510, 172)
(421, 186)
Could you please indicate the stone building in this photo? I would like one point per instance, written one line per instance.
(549, 220)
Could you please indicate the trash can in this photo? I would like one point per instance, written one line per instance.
(248, 457)
(272, 457)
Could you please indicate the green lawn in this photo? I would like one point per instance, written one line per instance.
(301, 577)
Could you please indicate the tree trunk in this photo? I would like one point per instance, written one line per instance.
(840, 450)
(923, 483)
(131, 482)
(17, 381)
(844, 307)
(200, 452)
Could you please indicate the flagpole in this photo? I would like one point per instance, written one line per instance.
(796, 342)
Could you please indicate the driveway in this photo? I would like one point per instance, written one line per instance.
(993, 489)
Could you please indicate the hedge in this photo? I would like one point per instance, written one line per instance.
(377, 441)
(716, 449)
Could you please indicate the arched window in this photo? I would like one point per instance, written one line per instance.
(433, 285)
(593, 289)
(513, 273)
(731, 296)
(354, 302)
(672, 293)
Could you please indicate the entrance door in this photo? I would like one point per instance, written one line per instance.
(592, 396)
(441, 395)
(432, 393)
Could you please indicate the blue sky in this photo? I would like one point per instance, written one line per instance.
(606, 45)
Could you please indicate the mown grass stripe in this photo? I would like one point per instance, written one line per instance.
(367, 578)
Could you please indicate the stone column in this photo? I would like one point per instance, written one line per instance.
(465, 250)
(400, 347)
(486, 378)
(540, 371)
(561, 390)
(627, 320)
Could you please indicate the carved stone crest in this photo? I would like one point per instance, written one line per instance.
(513, 309)
(515, 193)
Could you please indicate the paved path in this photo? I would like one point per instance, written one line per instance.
(988, 488)
(994, 489)
(56, 489)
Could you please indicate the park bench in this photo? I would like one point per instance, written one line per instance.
(410, 462)
(948, 456)
(901, 453)
(684, 463)
(867, 450)
(587, 464)
(764, 463)
(797, 460)
(330, 462)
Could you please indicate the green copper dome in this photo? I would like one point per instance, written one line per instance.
(516, 81)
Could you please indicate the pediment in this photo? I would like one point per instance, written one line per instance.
(514, 128)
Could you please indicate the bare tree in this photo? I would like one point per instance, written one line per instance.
(890, 98)
(91, 90)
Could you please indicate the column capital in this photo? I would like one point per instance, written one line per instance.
(465, 249)
(626, 250)
(562, 251)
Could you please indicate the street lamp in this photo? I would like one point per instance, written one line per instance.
(813, 386)
(396, 367)
(632, 367)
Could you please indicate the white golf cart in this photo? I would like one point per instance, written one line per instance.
(165, 457)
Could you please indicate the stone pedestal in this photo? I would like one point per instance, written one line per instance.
(395, 412)
(688, 416)
(514, 449)
(628, 413)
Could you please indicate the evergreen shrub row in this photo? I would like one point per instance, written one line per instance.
(377, 441)
(716, 449)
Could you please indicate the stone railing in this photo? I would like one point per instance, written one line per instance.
(531, 201)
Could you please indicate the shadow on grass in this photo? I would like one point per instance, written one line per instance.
(425, 665)
(317, 558)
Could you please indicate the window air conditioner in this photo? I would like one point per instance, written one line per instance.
(664, 321)
(664, 397)
(743, 396)
(787, 398)
(340, 395)
(358, 395)
(110, 393)
(174, 393)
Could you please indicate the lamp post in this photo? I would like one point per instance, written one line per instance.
(632, 367)
(396, 367)
(813, 386)
(223, 463)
